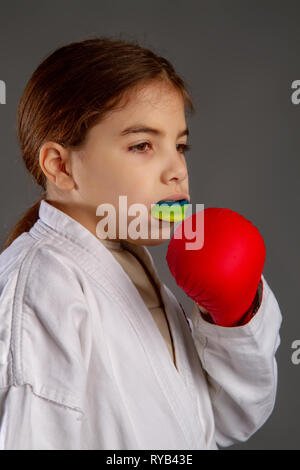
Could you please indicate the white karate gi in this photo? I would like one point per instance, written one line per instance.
(84, 366)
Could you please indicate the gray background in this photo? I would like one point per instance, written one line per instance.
(239, 59)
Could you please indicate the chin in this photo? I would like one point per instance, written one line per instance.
(162, 237)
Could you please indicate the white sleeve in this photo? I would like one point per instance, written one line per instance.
(30, 422)
(45, 350)
(241, 368)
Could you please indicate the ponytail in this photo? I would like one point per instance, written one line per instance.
(24, 224)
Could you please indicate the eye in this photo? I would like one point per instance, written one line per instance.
(185, 147)
(138, 145)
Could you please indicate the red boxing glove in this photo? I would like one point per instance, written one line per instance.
(223, 276)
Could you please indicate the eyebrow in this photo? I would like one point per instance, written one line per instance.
(149, 130)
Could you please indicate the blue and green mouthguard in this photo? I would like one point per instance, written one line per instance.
(171, 211)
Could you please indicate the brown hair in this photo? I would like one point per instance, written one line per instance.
(74, 88)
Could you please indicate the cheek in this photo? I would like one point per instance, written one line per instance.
(131, 178)
(141, 190)
(104, 177)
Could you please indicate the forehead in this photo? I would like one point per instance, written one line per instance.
(155, 96)
(149, 97)
(156, 105)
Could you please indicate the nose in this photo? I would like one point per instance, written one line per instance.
(175, 169)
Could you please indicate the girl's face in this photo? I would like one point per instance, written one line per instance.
(145, 166)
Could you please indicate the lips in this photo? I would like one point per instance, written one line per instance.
(180, 202)
(173, 198)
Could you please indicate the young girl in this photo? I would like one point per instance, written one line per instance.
(96, 352)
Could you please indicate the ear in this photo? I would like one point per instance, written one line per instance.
(55, 162)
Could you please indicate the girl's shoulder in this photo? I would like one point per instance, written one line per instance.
(28, 258)
(44, 316)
